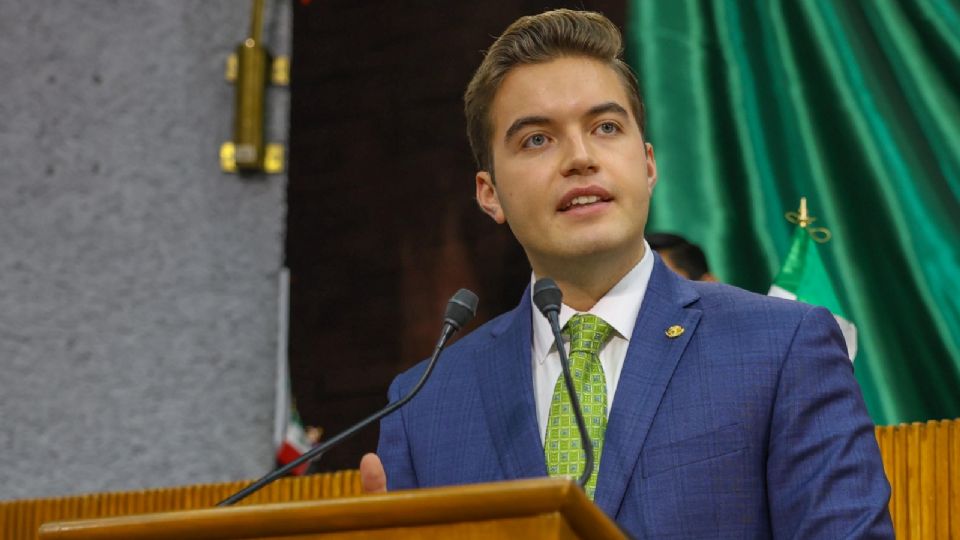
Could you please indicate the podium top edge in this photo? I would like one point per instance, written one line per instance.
(408, 508)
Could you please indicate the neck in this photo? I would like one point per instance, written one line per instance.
(585, 282)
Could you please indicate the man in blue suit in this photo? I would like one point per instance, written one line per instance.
(725, 413)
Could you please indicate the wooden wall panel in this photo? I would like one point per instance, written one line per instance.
(922, 462)
(19, 520)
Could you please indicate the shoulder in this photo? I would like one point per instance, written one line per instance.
(723, 304)
(733, 314)
(720, 300)
(720, 296)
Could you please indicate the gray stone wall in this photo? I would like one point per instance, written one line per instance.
(138, 284)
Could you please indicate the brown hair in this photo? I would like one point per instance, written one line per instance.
(535, 39)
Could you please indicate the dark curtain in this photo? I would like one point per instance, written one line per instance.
(381, 226)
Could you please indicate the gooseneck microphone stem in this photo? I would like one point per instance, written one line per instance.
(456, 317)
(548, 298)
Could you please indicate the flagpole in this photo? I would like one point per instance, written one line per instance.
(281, 404)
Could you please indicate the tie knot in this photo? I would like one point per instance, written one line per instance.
(587, 333)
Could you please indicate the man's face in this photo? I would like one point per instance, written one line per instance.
(573, 175)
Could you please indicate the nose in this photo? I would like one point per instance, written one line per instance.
(578, 159)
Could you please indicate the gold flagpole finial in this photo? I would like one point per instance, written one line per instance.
(803, 219)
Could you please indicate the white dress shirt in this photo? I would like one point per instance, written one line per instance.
(619, 308)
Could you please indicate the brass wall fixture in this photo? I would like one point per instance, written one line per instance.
(249, 68)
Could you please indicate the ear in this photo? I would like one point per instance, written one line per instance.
(487, 197)
(651, 168)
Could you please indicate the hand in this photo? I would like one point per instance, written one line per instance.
(373, 479)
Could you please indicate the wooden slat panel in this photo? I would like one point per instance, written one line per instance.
(928, 482)
(21, 519)
(4, 523)
(941, 446)
(18, 521)
(953, 427)
(914, 501)
(901, 524)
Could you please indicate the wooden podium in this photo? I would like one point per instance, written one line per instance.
(527, 509)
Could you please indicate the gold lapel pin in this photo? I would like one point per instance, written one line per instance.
(674, 331)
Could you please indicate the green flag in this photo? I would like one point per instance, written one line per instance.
(803, 276)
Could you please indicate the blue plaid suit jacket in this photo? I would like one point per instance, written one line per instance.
(748, 425)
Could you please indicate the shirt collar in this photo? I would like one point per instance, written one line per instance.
(619, 307)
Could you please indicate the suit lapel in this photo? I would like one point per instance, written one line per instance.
(647, 369)
(506, 388)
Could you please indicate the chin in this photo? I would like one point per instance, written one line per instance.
(592, 246)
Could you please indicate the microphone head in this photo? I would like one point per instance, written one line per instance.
(461, 308)
(547, 296)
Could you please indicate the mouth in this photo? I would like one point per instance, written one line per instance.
(581, 201)
(583, 198)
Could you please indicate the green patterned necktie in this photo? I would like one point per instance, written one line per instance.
(562, 448)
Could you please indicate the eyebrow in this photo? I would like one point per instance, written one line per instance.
(608, 107)
(524, 121)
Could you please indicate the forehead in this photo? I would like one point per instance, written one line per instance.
(566, 87)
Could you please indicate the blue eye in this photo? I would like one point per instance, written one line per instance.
(608, 128)
(535, 141)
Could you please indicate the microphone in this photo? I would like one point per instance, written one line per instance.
(548, 297)
(460, 309)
